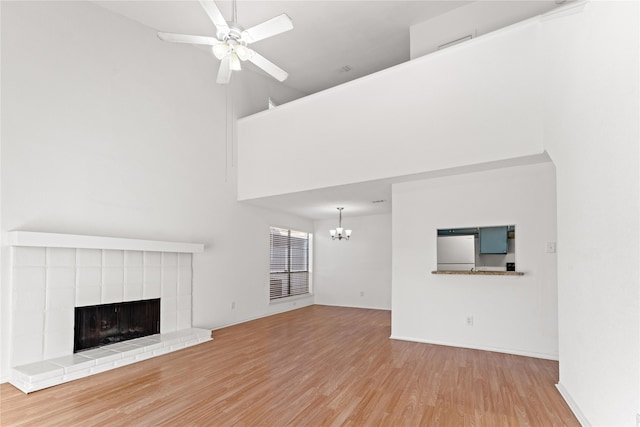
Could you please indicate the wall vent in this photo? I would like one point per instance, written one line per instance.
(455, 42)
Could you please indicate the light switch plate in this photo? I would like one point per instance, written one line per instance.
(551, 247)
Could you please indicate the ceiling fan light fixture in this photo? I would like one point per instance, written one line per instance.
(243, 52)
(235, 62)
(221, 50)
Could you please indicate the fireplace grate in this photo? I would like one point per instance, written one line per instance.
(104, 324)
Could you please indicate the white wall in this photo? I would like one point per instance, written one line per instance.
(357, 272)
(106, 130)
(511, 314)
(574, 77)
(4, 312)
(475, 19)
(592, 134)
(461, 106)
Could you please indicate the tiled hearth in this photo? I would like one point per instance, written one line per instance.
(48, 282)
(47, 373)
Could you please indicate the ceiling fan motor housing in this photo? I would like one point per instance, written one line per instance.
(235, 33)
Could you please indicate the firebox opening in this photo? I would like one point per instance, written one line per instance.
(104, 324)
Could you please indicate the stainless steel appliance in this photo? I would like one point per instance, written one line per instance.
(456, 253)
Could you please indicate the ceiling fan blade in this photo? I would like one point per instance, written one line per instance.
(277, 25)
(215, 15)
(184, 38)
(268, 66)
(224, 72)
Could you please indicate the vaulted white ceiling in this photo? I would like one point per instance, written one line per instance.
(364, 35)
(329, 35)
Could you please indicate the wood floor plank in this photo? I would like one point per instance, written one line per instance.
(316, 366)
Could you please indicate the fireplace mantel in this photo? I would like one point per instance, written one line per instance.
(54, 240)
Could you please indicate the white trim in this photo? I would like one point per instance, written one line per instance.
(573, 405)
(290, 298)
(54, 240)
(9, 291)
(250, 319)
(481, 347)
(310, 263)
(364, 307)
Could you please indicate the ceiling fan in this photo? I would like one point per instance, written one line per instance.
(230, 43)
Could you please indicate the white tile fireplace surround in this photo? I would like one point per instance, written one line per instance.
(51, 274)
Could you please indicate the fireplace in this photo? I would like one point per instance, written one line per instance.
(53, 274)
(104, 324)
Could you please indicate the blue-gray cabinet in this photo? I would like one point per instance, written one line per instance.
(493, 240)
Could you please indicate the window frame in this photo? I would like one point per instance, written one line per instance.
(288, 270)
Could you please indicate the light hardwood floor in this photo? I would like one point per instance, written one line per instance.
(314, 366)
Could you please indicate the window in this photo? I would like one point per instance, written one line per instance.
(289, 263)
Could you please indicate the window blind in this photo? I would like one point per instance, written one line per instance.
(289, 263)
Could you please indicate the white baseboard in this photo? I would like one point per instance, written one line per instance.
(249, 319)
(480, 347)
(573, 405)
(303, 305)
(365, 307)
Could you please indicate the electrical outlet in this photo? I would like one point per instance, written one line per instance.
(233, 305)
(551, 247)
(469, 320)
(361, 293)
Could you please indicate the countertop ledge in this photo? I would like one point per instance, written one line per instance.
(481, 273)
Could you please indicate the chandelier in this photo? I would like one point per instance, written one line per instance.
(340, 233)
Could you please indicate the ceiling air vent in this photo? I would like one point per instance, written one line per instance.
(455, 42)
